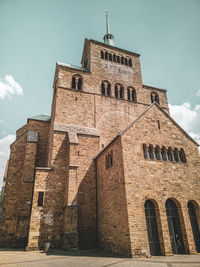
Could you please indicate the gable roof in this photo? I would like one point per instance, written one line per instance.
(140, 116)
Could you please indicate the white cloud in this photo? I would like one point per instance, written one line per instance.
(8, 87)
(4, 153)
(198, 93)
(188, 118)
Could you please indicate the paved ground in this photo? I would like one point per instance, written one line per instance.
(91, 258)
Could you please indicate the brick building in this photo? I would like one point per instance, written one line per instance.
(109, 167)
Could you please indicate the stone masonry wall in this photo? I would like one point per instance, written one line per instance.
(18, 192)
(158, 180)
(113, 228)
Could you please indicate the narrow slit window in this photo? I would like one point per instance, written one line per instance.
(40, 199)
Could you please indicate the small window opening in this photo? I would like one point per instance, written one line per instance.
(40, 199)
(169, 154)
(102, 55)
(145, 151)
(130, 62)
(106, 55)
(128, 94)
(114, 58)
(157, 153)
(102, 88)
(126, 61)
(118, 59)
(151, 154)
(110, 56)
(158, 124)
(182, 155)
(121, 92)
(116, 91)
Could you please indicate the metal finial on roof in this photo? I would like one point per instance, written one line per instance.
(107, 24)
(108, 38)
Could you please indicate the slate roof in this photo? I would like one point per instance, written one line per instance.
(41, 117)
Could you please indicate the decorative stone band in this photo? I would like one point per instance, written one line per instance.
(73, 130)
(32, 136)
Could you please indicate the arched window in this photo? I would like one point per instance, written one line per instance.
(116, 91)
(121, 92)
(163, 153)
(118, 59)
(128, 94)
(176, 157)
(131, 94)
(150, 151)
(110, 56)
(122, 60)
(144, 146)
(126, 61)
(114, 58)
(77, 82)
(169, 154)
(105, 88)
(182, 155)
(194, 223)
(106, 55)
(157, 152)
(102, 54)
(130, 62)
(74, 82)
(154, 97)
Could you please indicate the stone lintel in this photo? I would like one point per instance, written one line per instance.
(32, 136)
(73, 130)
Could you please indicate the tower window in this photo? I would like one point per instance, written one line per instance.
(105, 88)
(106, 55)
(131, 94)
(130, 62)
(119, 90)
(126, 61)
(128, 94)
(154, 97)
(118, 59)
(40, 199)
(114, 58)
(77, 82)
(102, 54)
(122, 60)
(110, 56)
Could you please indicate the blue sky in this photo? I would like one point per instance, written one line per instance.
(36, 34)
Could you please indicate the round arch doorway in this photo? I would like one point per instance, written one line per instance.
(174, 227)
(152, 228)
